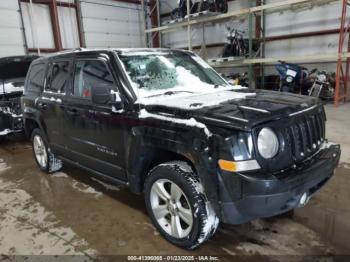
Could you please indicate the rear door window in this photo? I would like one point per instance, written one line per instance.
(36, 77)
(58, 78)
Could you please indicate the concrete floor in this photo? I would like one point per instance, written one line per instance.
(72, 213)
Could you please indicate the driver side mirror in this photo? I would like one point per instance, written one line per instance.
(105, 95)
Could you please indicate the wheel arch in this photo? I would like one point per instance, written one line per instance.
(149, 157)
(32, 122)
(29, 126)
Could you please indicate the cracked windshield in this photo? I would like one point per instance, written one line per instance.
(170, 73)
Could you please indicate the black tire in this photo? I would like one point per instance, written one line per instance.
(222, 6)
(2, 138)
(53, 164)
(227, 52)
(207, 7)
(175, 14)
(285, 89)
(204, 219)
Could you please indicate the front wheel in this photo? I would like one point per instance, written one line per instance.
(285, 89)
(43, 156)
(178, 206)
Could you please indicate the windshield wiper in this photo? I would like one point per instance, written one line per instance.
(176, 92)
(169, 93)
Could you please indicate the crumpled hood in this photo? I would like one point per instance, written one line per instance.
(241, 109)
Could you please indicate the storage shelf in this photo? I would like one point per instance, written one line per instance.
(231, 62)
(192, 16)
(257, 10)
(229, 15)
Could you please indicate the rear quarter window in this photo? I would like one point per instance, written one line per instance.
(36, 77)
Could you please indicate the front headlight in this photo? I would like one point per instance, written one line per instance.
(289, 79)
(268, 144)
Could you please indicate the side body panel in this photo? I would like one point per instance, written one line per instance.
(93, 134)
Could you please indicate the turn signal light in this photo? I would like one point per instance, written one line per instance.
(227, 165)
(238, 166)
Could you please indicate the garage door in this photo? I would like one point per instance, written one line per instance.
(11, 33)
(111, 24)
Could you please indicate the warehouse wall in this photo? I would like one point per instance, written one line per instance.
(111, 24)
(11, 31)
(303, 20)
(68, 27)
(37, 25)
(104, 23)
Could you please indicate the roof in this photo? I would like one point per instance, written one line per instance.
(119, 50)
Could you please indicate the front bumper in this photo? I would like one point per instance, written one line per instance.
(277, 193)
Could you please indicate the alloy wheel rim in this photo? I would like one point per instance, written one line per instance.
(40, 151)
(171, 208)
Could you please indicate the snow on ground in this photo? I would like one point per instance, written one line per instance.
(59, 174)
(81, 187)
(3, 166)
(86, 189)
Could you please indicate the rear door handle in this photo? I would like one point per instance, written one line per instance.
(42, 105)
(72, 111)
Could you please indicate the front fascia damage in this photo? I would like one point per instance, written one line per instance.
(204, 144)
(10, 118)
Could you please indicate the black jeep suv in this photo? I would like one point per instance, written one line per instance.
(165, 124)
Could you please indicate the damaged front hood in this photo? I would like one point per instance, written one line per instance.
(13, 71)
(241, 109)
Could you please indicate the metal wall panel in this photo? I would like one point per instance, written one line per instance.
(111, 24)
(302, 20)
(42, 35)
(68, 27)
(11, 32)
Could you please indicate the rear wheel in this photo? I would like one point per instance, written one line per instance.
(43, 156)
(177, 205)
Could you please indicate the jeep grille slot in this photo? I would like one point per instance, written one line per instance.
(305, 136)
